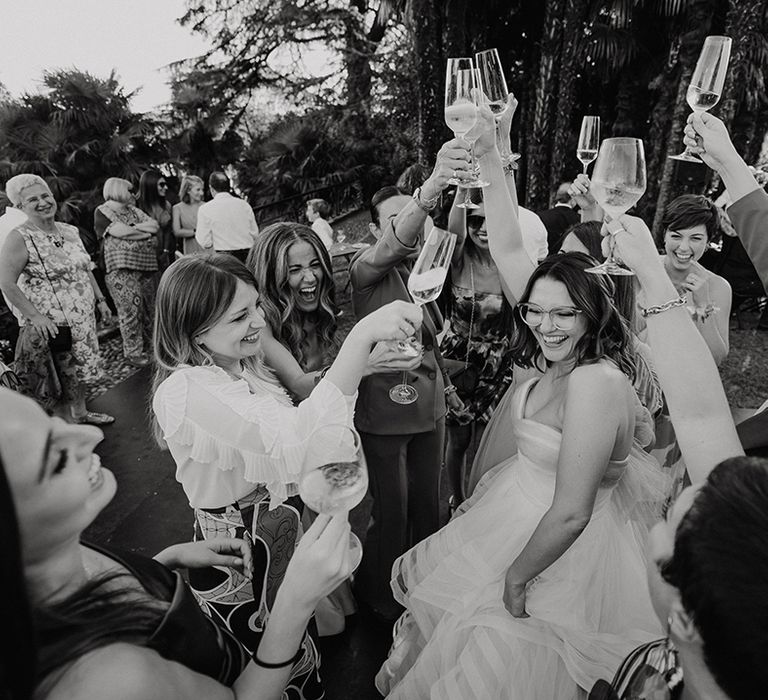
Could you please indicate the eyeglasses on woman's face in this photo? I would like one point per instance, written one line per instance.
(561, 317)
(162, 183)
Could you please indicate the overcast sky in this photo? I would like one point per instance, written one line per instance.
(135, 37)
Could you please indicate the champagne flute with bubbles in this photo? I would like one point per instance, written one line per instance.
(618, 182)
(589, 141)
(335, 476)
(460, 112)
(707, 81)
(424, 285)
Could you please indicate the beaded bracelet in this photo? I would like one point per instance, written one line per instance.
(449, 389)
(661, 308)
(282, 664)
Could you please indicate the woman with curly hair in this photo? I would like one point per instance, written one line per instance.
(294, 274)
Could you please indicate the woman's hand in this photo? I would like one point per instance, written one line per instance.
(320, 562)
(696, 284)
(44, 326)
(385, 357)
(484, 132)
(104, 310)
(397, 320)
(454, 403)
(452, 161)
(216, 551)
(514, 597)
(633, 244)
(504, 125)
(707, 136)
(579, 191)
(149, 226)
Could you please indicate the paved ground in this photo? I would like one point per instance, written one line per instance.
(150, 512)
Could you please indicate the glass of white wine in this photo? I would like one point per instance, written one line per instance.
(589, 140)
(707, 81)
(335, 477)
(424, 285)
(618, 182)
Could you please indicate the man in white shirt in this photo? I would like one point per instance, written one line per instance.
(226, 224)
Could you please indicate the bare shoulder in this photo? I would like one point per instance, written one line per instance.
(599, 379)
(130, 672)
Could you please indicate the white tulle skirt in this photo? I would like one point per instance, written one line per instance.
(587, 611)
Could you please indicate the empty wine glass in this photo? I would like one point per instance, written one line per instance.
(589, 141)
(335, 477)
(707, 81)
(494, 86)
(618, 182)
(425, 284)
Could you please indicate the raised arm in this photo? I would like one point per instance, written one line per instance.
(683, 362)
(598, 413)
(403, 232)
(505, 238)
(707, 136)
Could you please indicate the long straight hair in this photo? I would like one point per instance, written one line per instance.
(268, 261)
(194, 293)
(607, 334)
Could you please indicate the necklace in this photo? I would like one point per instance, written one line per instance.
(54, 234)
(471, 313)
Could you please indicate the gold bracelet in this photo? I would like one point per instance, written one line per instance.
(661, 308)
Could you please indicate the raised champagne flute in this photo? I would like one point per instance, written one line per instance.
(494, 86)
(335, 477)
(424, 285)
(707, 81)
(618, 182)
(589, 141)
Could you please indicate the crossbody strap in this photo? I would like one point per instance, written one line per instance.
(53, 289)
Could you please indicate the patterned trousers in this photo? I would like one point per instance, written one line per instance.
(133, 292)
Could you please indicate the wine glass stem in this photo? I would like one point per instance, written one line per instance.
(584, 165)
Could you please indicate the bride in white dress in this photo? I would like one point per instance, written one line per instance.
(536, 588)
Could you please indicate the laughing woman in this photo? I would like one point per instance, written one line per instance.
(294, 276)
(238, 441)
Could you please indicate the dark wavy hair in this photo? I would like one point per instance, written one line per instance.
(607, 334)
(149, 197)
(588, 234)
(268, 261)
(720, 568)
(691, 210)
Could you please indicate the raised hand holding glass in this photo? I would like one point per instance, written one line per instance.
(707, 81)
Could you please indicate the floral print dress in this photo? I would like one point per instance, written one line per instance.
(65, 296)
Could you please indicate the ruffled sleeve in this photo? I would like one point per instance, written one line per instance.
(223, 424)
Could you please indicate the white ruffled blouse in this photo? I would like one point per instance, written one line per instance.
(226, 435)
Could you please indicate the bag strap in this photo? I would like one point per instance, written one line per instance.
(53, 289)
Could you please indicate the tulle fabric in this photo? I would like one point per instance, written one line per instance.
(588, 610)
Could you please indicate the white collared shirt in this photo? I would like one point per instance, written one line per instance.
(226, 223)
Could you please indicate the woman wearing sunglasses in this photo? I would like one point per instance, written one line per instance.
(476, 343)
(536, 587)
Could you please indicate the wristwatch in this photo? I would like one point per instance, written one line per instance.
(426, 205)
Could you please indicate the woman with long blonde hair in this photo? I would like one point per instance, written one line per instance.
(238, 441)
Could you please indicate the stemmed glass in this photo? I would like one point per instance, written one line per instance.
(618, 182)
(425, 284)
(589, 141)
(461, 99)
(707, 81)
(494, 86)
(335, 477)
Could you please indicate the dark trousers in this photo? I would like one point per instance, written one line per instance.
(241, 255)
(404, 477)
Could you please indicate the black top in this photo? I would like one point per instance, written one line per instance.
(186, 634)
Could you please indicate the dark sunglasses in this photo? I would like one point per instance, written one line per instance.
(475, 221)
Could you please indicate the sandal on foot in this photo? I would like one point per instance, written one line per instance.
(93, 418)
